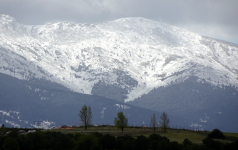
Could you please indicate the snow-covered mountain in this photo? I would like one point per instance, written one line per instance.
(128, 60)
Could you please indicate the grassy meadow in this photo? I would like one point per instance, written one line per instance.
(172, 134)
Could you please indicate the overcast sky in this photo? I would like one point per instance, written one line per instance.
(213, 18)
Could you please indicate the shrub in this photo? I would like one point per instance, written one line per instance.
(156, 137)
(25, 143)
(216, 134)
(163, 138)
(108, 141)
(164, 145)
(13, 134)
(196, 147)
(235, 144)
(98, 135)
(154, 145)
(141, 143)
(175, 145)
(119, 143)
(96, 147)
(126, 138)
(211, 144)
(2, 139)
(77, 136)
(10, 144)
(187, 142)
(86, 142)
(128, 145)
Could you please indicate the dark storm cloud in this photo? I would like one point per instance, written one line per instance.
(214, 18)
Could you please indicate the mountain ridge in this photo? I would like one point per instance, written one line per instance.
(134, 60)
(94, 47)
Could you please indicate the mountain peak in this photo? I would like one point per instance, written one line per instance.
(141, 19)
(136, 22)
(6, 18)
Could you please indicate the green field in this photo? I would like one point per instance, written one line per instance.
(173, 134)
(231, 134)
(109, 137)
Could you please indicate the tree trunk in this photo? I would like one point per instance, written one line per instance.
(85, 126)
(122, 129)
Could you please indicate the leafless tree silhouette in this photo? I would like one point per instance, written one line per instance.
(153, 122)
(164, 121)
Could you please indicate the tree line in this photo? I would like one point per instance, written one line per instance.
(121, 121)
(98, 141)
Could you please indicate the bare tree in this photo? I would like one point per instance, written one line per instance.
(85, 115)
(153, 122)
(164, 121)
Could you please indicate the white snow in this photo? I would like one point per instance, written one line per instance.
(122, 106)
(79, 55)
(102, 112)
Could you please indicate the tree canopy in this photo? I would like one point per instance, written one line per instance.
(85, 115)
(120, 121)
(216, 134)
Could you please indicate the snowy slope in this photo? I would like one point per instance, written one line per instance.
(130, 55)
